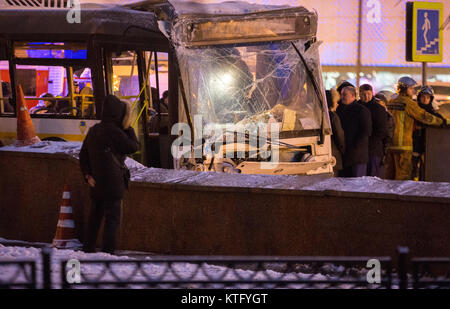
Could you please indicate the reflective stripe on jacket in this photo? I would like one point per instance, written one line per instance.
(405, 111)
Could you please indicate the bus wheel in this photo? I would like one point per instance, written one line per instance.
(54, 139)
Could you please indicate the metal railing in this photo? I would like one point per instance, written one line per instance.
(18, 274)
(431, 273)
(230, 272)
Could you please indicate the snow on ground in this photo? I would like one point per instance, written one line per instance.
(154, 269)
(11, 253)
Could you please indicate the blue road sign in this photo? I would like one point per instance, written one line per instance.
(427, 36)
(427, 32)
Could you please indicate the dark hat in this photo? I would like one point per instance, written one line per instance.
(343, 85)
(365, 87)
(381, 97)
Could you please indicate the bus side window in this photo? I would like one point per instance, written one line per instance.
(39, 82)
(57, 91)
(125, 75)
(6, 101)
(158, 79)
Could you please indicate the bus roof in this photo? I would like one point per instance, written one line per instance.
(182, 7)
(111, 21)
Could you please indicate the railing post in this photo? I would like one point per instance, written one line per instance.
(46, 267)
(403, 267)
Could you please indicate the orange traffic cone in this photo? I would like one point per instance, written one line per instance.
(25, 129)
(65, 237)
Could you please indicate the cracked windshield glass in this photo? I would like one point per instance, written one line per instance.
(241, 87)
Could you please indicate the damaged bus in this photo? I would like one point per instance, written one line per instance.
(229, 69)
(244, 67)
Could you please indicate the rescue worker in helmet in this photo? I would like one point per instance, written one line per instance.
(406, 112)
(424, 99)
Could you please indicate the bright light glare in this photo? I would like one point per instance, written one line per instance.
(226, 79)
(222, 82)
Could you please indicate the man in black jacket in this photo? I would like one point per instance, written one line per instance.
(102, 159)
(357, 125)
(380, 130)
(338, 137)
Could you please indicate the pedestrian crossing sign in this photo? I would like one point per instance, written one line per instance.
(427, 34)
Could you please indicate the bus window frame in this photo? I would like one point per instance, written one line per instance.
(68, 42)
(6, 56)
(96, 75)
(142, 65)
(70, 95)
(141, 68)
(3, 49)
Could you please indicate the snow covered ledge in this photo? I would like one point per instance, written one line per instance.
(376, 187)
(186, 212)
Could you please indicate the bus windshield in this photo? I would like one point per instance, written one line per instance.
(250, 84)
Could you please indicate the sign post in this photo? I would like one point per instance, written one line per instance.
(424, 36)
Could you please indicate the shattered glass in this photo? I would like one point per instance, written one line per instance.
(241, 86)
(248, 77)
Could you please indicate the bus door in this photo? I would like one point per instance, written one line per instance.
(159, 127)
(133, 75)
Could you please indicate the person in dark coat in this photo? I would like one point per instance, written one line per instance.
(380, 129)
(165, 102)
(338, 137)
(387, 141)
(357, 124)
(102, 159)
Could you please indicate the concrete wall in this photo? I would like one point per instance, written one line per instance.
(31, 187)
(436, 162)
(197, 220)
